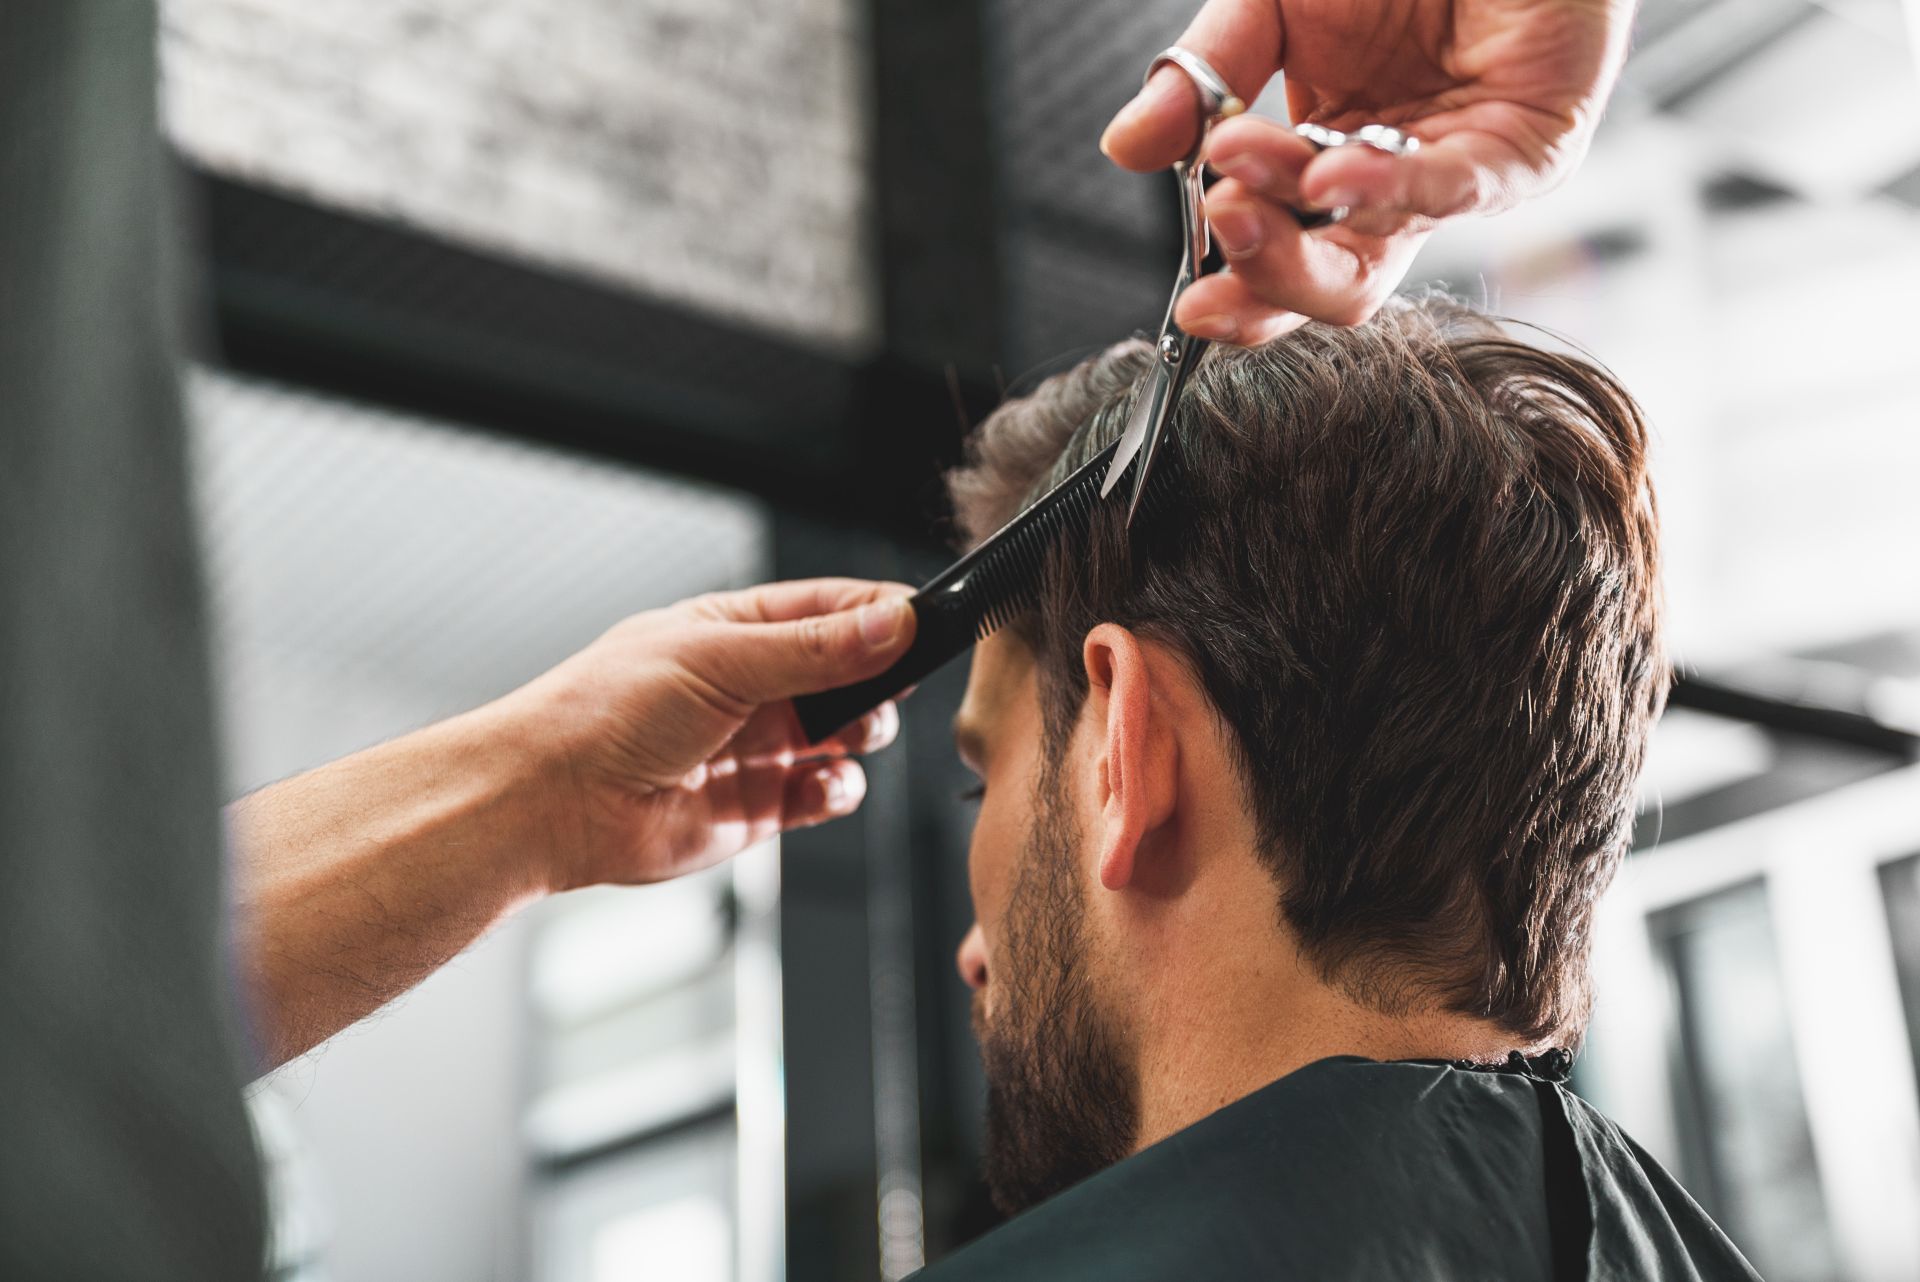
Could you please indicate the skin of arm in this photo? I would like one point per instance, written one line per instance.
(667, 745)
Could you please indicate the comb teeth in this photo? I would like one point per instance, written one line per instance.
(1006, 578)
(980, 593)
(1010, 569)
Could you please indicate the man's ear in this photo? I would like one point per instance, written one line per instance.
(1136, 754)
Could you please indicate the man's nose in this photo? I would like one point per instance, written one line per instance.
(972, 959)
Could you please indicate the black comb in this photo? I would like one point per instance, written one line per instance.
(975, 596)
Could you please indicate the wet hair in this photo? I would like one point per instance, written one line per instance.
(1413, 564)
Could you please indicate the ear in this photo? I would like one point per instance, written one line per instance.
(1136, 752)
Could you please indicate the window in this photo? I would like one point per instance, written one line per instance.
(1746, 1145)
(1900, 888)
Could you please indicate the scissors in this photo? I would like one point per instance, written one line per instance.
(1176, 352)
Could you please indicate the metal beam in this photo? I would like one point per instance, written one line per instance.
(1814, 720)
(386, 314)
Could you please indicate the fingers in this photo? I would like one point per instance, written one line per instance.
(1469, 172)
(1279, 273)
(741, 798)
(1226, 310)
(755, 663)
(1240, 39)
(783, 639)
(815, 794)
(797, 599)
(1262, 155)
(733, 809)
(772, 737)
(729, 810)
(870, 733)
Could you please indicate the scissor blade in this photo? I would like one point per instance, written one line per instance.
(1136, 434)
(1141, 472)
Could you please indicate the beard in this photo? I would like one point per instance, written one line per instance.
(1062, 1101)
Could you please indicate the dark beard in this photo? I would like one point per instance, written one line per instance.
(1061, 1100)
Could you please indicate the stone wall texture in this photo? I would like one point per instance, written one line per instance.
(706, 152)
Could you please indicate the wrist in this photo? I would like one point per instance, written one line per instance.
(539, 735)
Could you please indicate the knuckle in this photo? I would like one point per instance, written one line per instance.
(817, 638)
(1349, 313)
(704, 653)
(1356, 309)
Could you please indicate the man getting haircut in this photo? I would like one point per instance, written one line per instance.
(1297, 800)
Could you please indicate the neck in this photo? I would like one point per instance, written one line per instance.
(1225, 1019)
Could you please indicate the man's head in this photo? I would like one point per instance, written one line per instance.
(1382, 667)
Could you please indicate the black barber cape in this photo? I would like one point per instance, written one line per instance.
(1351, 1169)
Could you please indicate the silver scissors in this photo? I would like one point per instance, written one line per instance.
(1176, 351)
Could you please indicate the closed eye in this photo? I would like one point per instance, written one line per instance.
(974, 793)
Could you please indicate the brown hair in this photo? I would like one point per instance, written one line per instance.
(1413, 564)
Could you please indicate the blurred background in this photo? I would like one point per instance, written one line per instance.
(528, 314)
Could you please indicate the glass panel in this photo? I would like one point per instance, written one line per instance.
(1747, 1147)
(633, 996)
(665, 1210)
(1900, 887)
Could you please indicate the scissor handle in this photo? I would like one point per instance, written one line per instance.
(1175, 351)
(1395, 142)
(1217, 102)
(1217, 99)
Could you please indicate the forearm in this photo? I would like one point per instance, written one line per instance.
(665, 746)
(356, 881)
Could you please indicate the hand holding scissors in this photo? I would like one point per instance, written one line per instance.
(1503, 94)
(1175, 350)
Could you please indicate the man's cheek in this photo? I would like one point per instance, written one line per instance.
(997, 853)
(992, 869)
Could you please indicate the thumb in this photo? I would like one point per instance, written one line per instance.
(1240, 39)
(759, 663)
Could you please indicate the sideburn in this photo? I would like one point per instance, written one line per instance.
(1062, 1101)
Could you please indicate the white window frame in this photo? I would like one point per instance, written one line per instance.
(1819, 860)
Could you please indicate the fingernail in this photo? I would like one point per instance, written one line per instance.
(1343, 196)
(1218, 325)
(880, 622)
(883, 724)
(842, 790)
(1125, 118)
(1245, 169)
(1238, 230)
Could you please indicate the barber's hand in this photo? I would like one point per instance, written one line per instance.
(675, 742)
(1503, 95)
